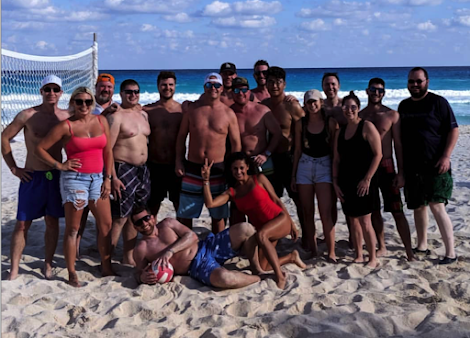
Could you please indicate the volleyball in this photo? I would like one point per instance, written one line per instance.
(164, 274)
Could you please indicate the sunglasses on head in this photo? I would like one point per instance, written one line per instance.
(419, 81)
(210, 85)
(79, 102)
(140, 221)
(238, 90)
(49, 89)
(374, 89)
(259, 72)
(131, 91)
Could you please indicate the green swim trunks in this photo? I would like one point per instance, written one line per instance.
(422, 189)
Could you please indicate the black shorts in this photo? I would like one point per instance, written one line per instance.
(283, 174)
(164, 183)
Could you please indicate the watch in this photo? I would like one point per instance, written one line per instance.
(109, 176)
(267, 153)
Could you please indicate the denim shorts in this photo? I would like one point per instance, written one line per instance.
(80, 186)
(313, 170)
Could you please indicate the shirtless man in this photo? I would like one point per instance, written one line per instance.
(332, 104)
(228, 71)
(164, 118)
(171, 242)
(129, 128)
(39, 193)
(387, 122)
(286, 114)
(260, 74)
(208, 122)
(254, 121)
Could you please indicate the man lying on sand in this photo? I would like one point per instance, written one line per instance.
(171, 242)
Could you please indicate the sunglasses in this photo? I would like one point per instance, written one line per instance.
(210, 85)
(130, 91)
(238, 90)
(419, 81)
(79, 102)
(374, 89)
(353, 108)
(140, 221)
(259, 72)
(49, 89)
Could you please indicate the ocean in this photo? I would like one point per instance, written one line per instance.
(453, 83)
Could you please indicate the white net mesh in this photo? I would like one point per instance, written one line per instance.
(22, 75)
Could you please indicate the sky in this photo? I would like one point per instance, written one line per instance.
(200, 34)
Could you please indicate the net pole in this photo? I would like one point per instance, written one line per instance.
(95, 61)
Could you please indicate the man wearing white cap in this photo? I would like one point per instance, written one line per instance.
(39, 193)
(208, 122)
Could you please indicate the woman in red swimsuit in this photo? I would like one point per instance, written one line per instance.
(256, 198)
(85, 138)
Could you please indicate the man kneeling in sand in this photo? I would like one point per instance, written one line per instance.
(171, 242)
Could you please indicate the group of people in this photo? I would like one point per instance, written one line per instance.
(245, 147)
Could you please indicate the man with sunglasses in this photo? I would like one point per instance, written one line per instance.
(129, 129)
(429, 134)
(171, 242)
(387, 122)
(39, 192)
(260, 74)
(208, 122)
(165, 118)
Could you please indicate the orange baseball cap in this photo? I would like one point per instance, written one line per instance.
(105, 77)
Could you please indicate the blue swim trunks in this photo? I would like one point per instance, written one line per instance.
(212, 253)
(40, 196)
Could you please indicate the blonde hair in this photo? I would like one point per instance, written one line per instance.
(81, 90)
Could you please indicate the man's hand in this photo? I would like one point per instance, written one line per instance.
(117, 186)
(398, 181)
(290, 98)
(114, 107)
(22, 174)
(260, 159)
(443, 164)
(179, 169)
(164, 259)
(148, 276)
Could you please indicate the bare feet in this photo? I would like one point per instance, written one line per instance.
(373, 264)
(47, 271)
(332, 259)
(107, 269)
(73, 280)
(281, 283)
(12, 275)
(382, 252)
(128, 261)
(297, 260)
(358, 260)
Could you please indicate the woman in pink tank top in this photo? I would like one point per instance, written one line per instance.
(255, 197)
(85, 139)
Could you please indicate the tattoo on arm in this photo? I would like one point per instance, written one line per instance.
(110, 120)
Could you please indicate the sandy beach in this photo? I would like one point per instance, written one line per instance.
(400, 299)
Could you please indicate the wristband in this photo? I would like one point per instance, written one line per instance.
(206, 182)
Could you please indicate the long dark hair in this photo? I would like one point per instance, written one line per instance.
(239, 156)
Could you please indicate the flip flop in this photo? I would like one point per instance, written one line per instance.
(447, 260)
(426, 252)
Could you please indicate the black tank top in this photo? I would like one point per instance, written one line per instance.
(317, 143)
(355, 155)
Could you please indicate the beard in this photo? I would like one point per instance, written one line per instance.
(103, 98)
(420, 93)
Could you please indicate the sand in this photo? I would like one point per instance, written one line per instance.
(400, 299)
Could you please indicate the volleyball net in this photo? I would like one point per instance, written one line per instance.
(22, 75)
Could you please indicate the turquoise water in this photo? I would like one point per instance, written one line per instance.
(451, 82)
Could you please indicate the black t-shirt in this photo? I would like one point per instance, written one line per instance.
(425, 125)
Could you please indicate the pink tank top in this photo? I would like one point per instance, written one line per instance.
(257, 205)
(89, 150)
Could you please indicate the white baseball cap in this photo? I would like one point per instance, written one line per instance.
(51, 79)
(218, 78)
(312, 94)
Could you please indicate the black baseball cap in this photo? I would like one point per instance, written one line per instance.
(228, 66)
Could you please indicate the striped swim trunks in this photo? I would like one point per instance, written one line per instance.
(136, 179)
(191, 197)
